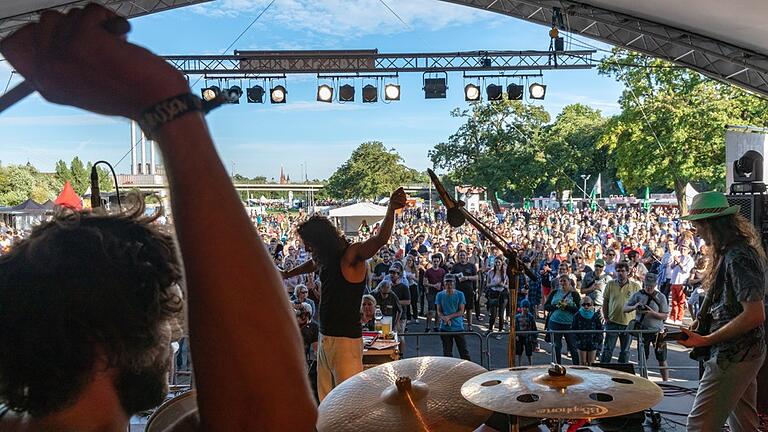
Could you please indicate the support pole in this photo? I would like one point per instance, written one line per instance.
(133, 147)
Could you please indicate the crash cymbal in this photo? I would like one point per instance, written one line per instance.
(581, 392)
(416, 394)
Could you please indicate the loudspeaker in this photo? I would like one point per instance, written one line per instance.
(752, 207)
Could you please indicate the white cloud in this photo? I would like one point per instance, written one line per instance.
(349, 18)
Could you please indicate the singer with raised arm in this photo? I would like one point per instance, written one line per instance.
(342, 268)
(87, 301)
(731, 320)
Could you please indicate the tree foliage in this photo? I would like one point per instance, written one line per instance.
(496, 147)
(671, 127)
(19, 183)
(371, 172)
(570, 145)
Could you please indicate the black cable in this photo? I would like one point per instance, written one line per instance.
(114, 177)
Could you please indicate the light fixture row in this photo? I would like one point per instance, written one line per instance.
(494, 92)
(346, 93)
(434, 88)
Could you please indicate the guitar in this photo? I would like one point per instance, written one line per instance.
(703, 323)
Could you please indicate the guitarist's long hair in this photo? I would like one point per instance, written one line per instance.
(727, 231)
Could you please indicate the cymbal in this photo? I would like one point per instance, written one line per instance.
(416, 394)
(581, 392)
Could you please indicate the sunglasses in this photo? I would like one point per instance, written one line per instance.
(587, 304)
(304, 292)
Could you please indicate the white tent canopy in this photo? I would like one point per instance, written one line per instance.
(727, 40)
(363, 209)
(350, 218)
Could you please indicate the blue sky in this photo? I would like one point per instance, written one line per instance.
(256, 139)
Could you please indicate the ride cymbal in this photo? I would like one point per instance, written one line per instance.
(416, 394)
(574, 392)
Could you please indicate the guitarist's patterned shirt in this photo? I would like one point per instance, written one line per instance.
(745, 280)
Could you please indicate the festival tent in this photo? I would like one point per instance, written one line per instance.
(69, 198)
(23, 216)
(350, 217)
(49, 205)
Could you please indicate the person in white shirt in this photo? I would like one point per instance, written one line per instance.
(679, 269)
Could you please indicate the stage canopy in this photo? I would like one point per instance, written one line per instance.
(726, 40)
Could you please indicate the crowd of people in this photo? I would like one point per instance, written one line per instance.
(621, 269)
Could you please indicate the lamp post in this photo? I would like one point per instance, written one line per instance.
(584, 177)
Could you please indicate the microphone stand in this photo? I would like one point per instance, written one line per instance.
(515, 267)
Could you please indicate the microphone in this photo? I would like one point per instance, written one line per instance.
(454, 214)
(95, 193)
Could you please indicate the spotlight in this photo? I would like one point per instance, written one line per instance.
(255, 94)
(210, 93)
(277, 94)
(324, 93)
(515, 92)
(494, 92)
(370, 93)
(233, 94)
(392, 92)
(435, 88)
(537, 91)
(347, 93)
(471, 93)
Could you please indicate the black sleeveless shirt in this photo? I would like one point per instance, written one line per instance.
(340, 304)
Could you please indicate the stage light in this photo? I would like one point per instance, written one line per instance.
(324, 93)
(494, 92)
(370, 93)
(471, 93)
(233, 94)
(277, 94)
(515, 92)
(255, 94)
(537, 91)
(347, 93)
(392, 92)
(435, 88)
(210, 93)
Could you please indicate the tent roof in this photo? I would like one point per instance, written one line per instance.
(359, 209)
(29, 204)
(68, 198)
(727, 40)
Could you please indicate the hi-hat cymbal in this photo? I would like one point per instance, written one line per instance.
(582, 392)
(382, 399)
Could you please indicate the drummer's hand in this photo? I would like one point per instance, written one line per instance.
(72, 60)
(694, 339)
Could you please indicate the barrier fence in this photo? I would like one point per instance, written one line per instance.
(486, 357)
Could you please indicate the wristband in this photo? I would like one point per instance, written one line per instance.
(165, 111)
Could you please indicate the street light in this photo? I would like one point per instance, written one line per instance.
(584, 177)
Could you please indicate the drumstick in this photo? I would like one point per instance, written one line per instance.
(117, 25)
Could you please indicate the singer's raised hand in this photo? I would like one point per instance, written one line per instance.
(398, 199)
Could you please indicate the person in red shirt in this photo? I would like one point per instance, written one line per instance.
(433, 282)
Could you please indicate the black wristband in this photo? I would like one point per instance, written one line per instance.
(163, 112)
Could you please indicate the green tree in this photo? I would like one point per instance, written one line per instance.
(570, 145)
(19, 183)
(81, 178)
(495, 148)
(671, 127)
(371, 172)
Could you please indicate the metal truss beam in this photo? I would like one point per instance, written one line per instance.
(716, 59)
(126, 8)
(336, 62)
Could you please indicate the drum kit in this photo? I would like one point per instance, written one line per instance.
(447, 394)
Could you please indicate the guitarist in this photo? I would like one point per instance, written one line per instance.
(732, 325)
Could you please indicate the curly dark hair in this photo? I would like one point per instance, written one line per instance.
(324, 238)
(81, 287)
